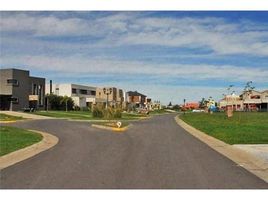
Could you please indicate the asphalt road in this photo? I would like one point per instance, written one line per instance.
(154, 153)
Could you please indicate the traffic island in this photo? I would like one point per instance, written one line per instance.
(242, 158)
(39, 142)
(113, 126)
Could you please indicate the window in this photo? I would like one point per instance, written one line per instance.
(14, 100)
(83, 91)
(74, 91)
(92, 92)
(12, 82)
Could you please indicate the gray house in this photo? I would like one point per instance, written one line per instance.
(18, 90)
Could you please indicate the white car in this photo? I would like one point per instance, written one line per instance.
(196, 110)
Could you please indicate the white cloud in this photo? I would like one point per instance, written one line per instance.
(81, 65)
(131, 28)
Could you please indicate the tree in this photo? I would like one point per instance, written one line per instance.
(60, 103)
(170, 104)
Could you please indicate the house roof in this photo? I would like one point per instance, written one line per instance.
(135, 93)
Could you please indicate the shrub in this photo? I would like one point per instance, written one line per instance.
(109, 113)
(97, 112)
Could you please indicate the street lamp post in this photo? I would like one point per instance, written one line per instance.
(107, 91)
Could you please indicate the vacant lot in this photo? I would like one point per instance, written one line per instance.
(4, 117)
(242, 128)
(12, 139)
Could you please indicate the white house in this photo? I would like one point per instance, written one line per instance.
(83, 96)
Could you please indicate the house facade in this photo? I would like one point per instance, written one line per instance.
(135, 99)
(248, 101)
(19, 90)
(83, 96)
(255, 100)
(233, 101)
(114, 96)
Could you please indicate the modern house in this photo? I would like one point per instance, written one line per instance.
(248, 101)
(233, 101)
(19, 90)
(83, 96)
(112, 95)
(255, 100)
(136, 99)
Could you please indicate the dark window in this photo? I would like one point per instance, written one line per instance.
(14, 99)
(92, 92)
(74, 91)
(83, 91)
(13, 82)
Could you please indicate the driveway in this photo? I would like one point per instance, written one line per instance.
(154, 153)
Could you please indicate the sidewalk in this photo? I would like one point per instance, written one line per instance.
(24, 115)
(258, 150)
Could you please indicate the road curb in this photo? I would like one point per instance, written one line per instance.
(12, 158)
(111, 128)
(7, 122)
(240, 157)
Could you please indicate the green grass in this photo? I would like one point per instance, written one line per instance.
(12, 139)
(82, 115)
(242, 128)
(4, 117)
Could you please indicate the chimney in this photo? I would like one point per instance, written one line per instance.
(50, 86)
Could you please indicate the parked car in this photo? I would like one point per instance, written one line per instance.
(198, 110)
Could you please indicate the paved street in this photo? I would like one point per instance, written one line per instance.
(154, 153)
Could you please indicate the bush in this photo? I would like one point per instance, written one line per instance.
(97, 112)
(109, 113)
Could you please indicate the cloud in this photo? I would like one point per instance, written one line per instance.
(217, 34)
(81, 65)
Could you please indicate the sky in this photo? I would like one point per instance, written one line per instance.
(168, 56)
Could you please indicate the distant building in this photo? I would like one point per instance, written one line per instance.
(255, 100)
(248, 101)
(83, 96)
(19, 90)
(233, 101)
(136, 99)
(191, 105)
(115, 96)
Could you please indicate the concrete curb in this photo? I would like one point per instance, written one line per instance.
(111, 128)
(7, 122)
(25, 115)
(12, 158)
(242, 158)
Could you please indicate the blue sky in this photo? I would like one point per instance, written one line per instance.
(168, 56)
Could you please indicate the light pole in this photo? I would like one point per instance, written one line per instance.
(107, 91)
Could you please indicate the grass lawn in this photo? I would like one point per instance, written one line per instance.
(84, 115)
(242, 128)
(4, 117)
(12, 139)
